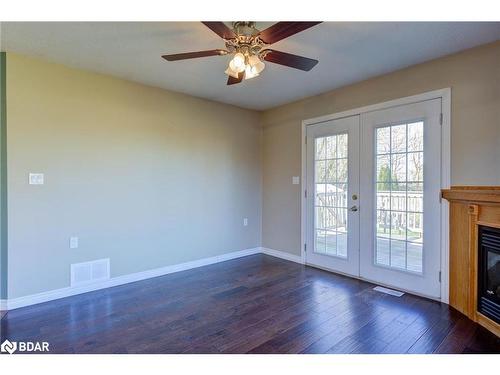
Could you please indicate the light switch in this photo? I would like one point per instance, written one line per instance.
(296, 180)
(245, 222)
(73, 242)
(36, 179)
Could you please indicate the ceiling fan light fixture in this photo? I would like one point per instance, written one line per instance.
(249, 48)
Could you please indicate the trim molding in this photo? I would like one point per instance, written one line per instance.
(282, 255)
(3, 305)
(445, 184)
(51, 295)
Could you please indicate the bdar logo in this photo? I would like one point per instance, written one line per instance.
(8, 347)
(23, 346)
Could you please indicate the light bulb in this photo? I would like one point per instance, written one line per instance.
(235, 67)
(239, 60)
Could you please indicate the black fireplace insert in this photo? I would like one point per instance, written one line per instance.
(489, 272)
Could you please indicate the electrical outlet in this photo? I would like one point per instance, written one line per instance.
(73, 242)
(296, 180)
(245, 222)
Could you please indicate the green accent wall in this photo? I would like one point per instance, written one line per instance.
(3, 176)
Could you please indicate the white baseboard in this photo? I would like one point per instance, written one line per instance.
(51, 295)
(282, 255)
(33, 299)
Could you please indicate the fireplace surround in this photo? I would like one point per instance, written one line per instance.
(473, 258)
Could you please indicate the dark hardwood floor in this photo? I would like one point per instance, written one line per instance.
(256, 304)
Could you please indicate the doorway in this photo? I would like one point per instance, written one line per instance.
(372, 196)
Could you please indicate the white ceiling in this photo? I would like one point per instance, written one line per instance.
(347, 53)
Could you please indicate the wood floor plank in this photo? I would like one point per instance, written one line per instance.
(255, 304)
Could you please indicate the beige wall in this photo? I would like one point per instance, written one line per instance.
(143, 176)
(474, 77)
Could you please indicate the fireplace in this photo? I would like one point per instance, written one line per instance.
(489, 272)
(474, 253)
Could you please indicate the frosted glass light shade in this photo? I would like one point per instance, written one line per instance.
(256, 63)
(259, 67)
(250, 72)
(254, 59)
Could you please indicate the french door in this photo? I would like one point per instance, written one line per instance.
(332, 195)
(374, 211)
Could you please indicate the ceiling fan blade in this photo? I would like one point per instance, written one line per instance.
(194, 55)
(220, 29)
(231, 80)
(288, 59)
(282, 30)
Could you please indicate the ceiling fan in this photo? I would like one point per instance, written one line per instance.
(250, 47)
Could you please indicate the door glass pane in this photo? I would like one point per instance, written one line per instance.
(383, 252)
(342, 170)
(415, 166)
(331, 171)
(398, 167)
(384, 168)
(331, 242)
(399, 196)
(383, 223)
(320, 171)
(398, 254)
(383, 141)
(341, 146)
(342, 245)
(320, 242)
(341, 195)
(398, 138)
(330, 195)
(416, 136)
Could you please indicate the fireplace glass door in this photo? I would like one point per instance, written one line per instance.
(489, 272)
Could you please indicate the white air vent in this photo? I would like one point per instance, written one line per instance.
(81, 273)
(88, 272)
(392, 292)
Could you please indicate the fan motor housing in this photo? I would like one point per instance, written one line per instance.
(247, 40)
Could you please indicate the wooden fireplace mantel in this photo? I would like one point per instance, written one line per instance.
(470, 206)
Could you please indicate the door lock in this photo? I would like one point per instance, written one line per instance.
(354, 197)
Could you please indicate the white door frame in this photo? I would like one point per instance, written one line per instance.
(445, 95)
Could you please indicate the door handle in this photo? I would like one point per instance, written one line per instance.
(353, 208)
